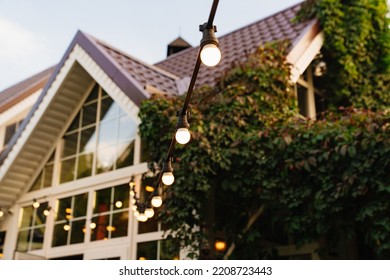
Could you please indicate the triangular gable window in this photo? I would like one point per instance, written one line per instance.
(100, 139)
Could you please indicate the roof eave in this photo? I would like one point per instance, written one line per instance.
(305, 48)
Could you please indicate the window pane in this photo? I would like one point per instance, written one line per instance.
(60, 235)
(80, 205)
(147, 250)
(37, 184)
(100, 231)
(84, 168)
(27, 217)
(23, 238)
(102, 201)
(87, 140)
(37, 238)
(119, 224)
(109, 109)
(121, 196)
(78, 230)
(125, 155)
(94, 93)
(127, 129)
(121, 112)
(48, 175)
(89, 114)
(9, 132)
(75, 124)
(67, 170)
(40, 218)
(105, 159)
(107, 134)
(64, 210)
(70, 145)
(151, 225)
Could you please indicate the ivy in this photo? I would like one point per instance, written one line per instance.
(250, 151)
(356, 51)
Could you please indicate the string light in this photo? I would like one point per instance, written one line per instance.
(46, 212)
(210, 55)
(36, 203)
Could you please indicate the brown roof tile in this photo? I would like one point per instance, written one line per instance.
(236, 46)
(14, 94)
(142, 72)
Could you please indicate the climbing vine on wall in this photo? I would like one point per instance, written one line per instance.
(258, 174)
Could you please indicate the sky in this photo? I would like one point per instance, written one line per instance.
(34, 34)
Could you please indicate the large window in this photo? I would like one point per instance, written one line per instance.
(32, 228)
(70, 220)
(110, 213)
(100, 139)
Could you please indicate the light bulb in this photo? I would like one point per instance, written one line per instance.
(1, 213)
(168, 178)
(156, 201)
(210, 55)
(46, 212)
(118, 204)
(142, 217)
(36, 204)
(92, 225)
(66, 227)
(136, 213)
(183, 136)
(134, 208)
(220, 246)
(149, 212)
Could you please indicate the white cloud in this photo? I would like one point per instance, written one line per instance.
(17, 42)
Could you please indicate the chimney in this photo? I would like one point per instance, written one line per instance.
(177, 45)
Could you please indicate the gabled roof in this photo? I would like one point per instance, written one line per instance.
(23, 89)
(129, 81)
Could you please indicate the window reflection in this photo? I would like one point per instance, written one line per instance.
(70, 220)
(101, 138)
(111, 213)
(32, 228)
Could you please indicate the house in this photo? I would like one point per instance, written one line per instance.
(70, 141)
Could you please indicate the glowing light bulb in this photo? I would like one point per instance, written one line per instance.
(168, 178)
(156, 201)
(1, 213)
(92, 225)
(36, 204)
(149, 212)
(46, 212)
(210, 55)
(118, 204)
(142, 217)
(220, 246)
(66, 227)
(183, 136)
